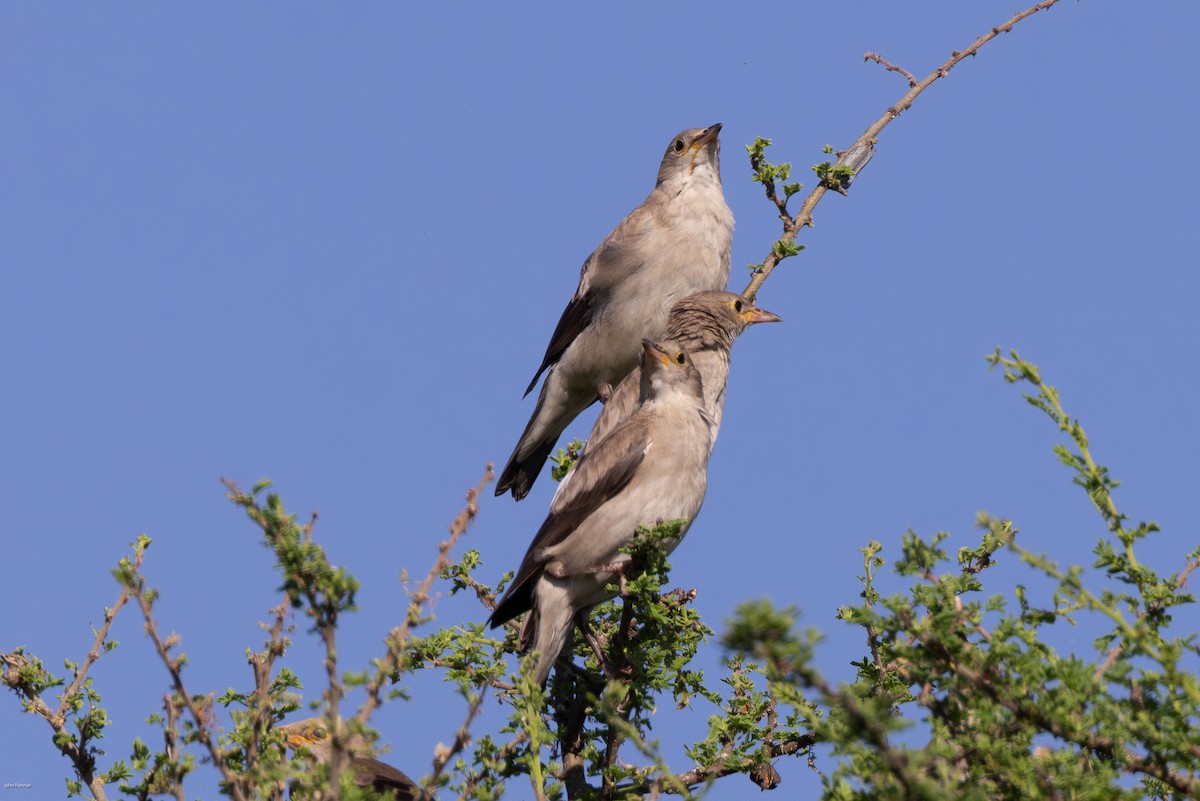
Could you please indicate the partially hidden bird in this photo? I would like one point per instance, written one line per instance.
(705, 324)
(676, 243)
(313, 734)
(652, 468)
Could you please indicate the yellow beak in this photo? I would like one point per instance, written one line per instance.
(757, 315)
(653, 351)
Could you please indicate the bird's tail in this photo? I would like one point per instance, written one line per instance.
(547, 627)
(519, 474)
(551, 415)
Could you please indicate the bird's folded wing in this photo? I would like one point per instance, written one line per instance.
(618, 257)
(600, 476)
(383, 777)
(575, 318)
(622, 253)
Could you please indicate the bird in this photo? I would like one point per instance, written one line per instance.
(705, 324)
(313, 735)
(651, 468)
(675, 243)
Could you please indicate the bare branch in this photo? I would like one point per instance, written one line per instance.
(174, 667)
(77, 752)
(398, 636)
(98, 644)
(462, 737)
(171, 744)
(262, 664)
(878, 59)
(866, 141)
(723, 767)
(1181, 579)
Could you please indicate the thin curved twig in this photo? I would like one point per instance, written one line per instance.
(398, 636)
(866, 142)
(174, 665)
(871, 55)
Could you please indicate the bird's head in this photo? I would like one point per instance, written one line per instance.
(748, 314)
(692, 150)
(667, 367)
(711, 320)
(310, 733)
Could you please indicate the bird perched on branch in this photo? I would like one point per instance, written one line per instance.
(652, 468)
(312, 734)
(705, 325)
(675, 243)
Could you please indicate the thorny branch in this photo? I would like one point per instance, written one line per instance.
(897, 761)
(1097, 744)
(878, 59)
(262, 663)
(174, 666)
(866, 142)
(719, 768)
(508, 749)
(398, 636)
(444, 755)
(171, 743)
(77, 752)
(1181, 579)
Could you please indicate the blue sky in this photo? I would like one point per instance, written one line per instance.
(326, 245)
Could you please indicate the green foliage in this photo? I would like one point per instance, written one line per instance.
(960, 697)
(831, 174)
(309, 580)
(768, 174)
(764, 171)
(958, 694)
(565, 458)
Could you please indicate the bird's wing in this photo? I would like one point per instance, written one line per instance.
(600, 475)
(383, 777)
(575, 318)
(617, 258)
(619, 407)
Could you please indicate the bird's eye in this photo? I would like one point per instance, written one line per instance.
(737, 305)
(319, 733)
(681, 358)
(679, 145)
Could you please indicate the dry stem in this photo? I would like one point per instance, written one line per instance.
(791, 227)
(398, 636)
